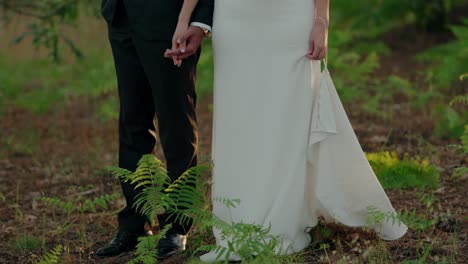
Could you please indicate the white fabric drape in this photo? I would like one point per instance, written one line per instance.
(267, 97)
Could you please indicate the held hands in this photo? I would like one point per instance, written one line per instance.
(185, 43)
(318, 43)
(187, 40)
(177, 42)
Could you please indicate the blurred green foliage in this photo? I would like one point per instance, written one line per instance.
(37, 85)
(205, 70)
(448, 61)
(357, 45)
(396, 173)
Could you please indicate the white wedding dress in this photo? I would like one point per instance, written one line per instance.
(265, 96)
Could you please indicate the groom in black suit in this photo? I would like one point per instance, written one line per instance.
(140, 31)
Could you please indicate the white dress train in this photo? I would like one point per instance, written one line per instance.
(264, 153)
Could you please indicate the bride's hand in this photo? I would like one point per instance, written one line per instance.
(318, 42)
(177, 42)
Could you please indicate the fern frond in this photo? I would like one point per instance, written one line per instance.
(151, 201)
(229, 203)
(101, 201)
(185, 195)
(52, 257)
(460, 99)
(411, 219)
(183, 200)
(55, 202)
(464, 139)
(460, 172)
(120, 173)
(150, 172)
(146, 250)
(427, 198)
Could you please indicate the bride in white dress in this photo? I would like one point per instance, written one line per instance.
(264, 153)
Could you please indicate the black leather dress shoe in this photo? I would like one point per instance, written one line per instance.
(122, 242)
(171, 244)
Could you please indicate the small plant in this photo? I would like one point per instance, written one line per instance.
(249, 242)
(423, 255)
(52, 257)
(462, 148)
(24, 143)
(410, 218)
(413, 220)
(78, 204)
(450, 122)
(325, 248)
(320, 234)
(146, 250)
(378, 253)
(28, 243)
(460, 99)
(395, 173)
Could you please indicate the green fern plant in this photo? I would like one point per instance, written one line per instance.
(410, 218)
(56, 203)
(183, 200)
(101, 201)
(77, 204)
(459, 99)
(147, 251)
(450, 122)
(252, 243)
(51, 257)
(186, 201)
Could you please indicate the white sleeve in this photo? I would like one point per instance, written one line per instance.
(198, 24)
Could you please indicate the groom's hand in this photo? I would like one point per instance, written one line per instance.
(193, 38)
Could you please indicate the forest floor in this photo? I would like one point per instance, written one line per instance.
(69, 146)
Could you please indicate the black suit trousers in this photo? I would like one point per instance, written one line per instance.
(149, 85)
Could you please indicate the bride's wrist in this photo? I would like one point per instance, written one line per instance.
(183, 21)
(322, 20)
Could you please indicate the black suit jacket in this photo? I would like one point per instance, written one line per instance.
(156, 19)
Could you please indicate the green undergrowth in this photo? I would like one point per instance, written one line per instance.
(80, 205)
(23, 142)
(185, 200)
(51, 257)
(450, 60)
(205, 71)
(404, 173)
(28, 243)
(37, 85)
